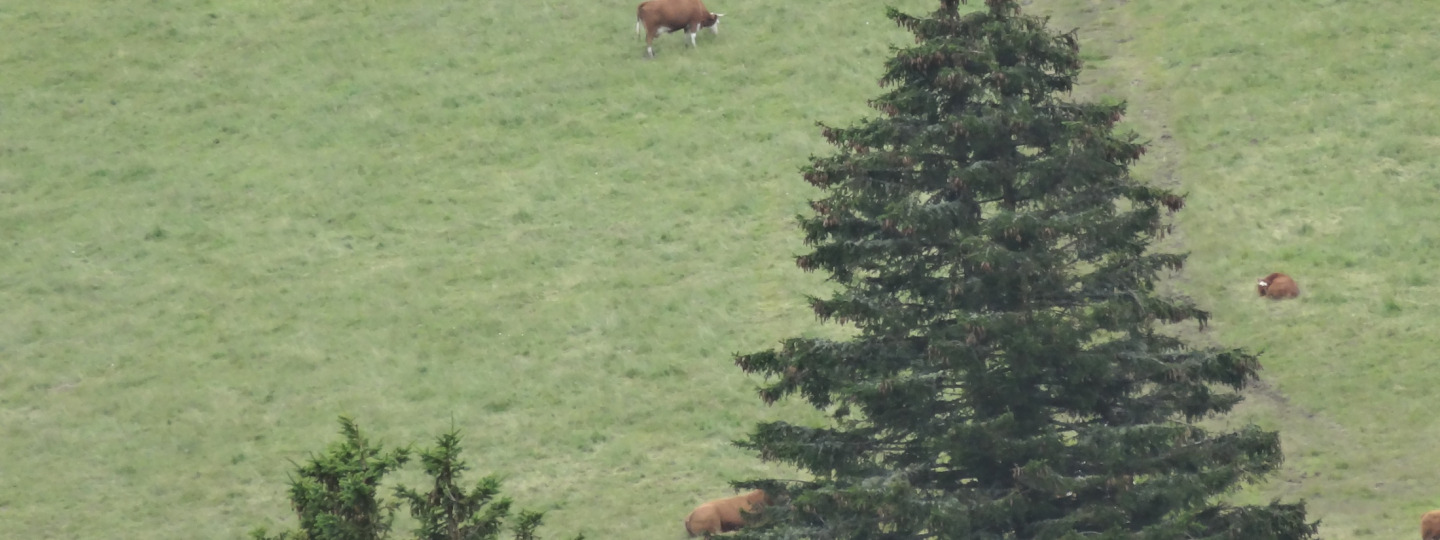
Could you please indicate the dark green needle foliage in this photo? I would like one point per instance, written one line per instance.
(336, 495)
(1008, 377)
(449, 512)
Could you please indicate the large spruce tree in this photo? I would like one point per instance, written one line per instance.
(1009, 376)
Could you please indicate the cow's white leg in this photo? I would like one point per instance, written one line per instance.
(692, 37)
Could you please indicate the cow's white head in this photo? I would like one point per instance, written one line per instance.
(712, 21)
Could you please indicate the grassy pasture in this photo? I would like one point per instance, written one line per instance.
(1308, 137)
(224, 223)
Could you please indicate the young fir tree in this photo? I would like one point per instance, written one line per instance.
(1007, 379)
(449, 512)
(337, 496)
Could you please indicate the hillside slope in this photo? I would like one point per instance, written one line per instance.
(1306, 137)
(224, 224)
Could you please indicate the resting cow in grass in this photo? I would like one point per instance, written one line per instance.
(661, 16)
(724, 515)
(1430, 525)
(1277, 286)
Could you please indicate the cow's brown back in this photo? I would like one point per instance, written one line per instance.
(675, 14)
(1430, 525)
(1277, 286)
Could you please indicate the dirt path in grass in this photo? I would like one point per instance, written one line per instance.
(1113, 71)
(1117, 71)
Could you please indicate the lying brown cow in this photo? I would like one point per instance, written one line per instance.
(661, 16)
(1277, 286)
(1430, 525)
(724, 515)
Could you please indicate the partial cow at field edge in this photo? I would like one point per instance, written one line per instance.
(724, 515)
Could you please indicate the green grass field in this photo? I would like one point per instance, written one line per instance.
(1308, 137)
(222, 224)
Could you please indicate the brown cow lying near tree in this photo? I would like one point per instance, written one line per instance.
(724, 515)
(1430, 525)
(1277, 286)
(661, 16)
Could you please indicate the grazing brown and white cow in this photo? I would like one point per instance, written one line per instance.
(1430, 525)
(661, 16)
(1277, 286)
(724, 515)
